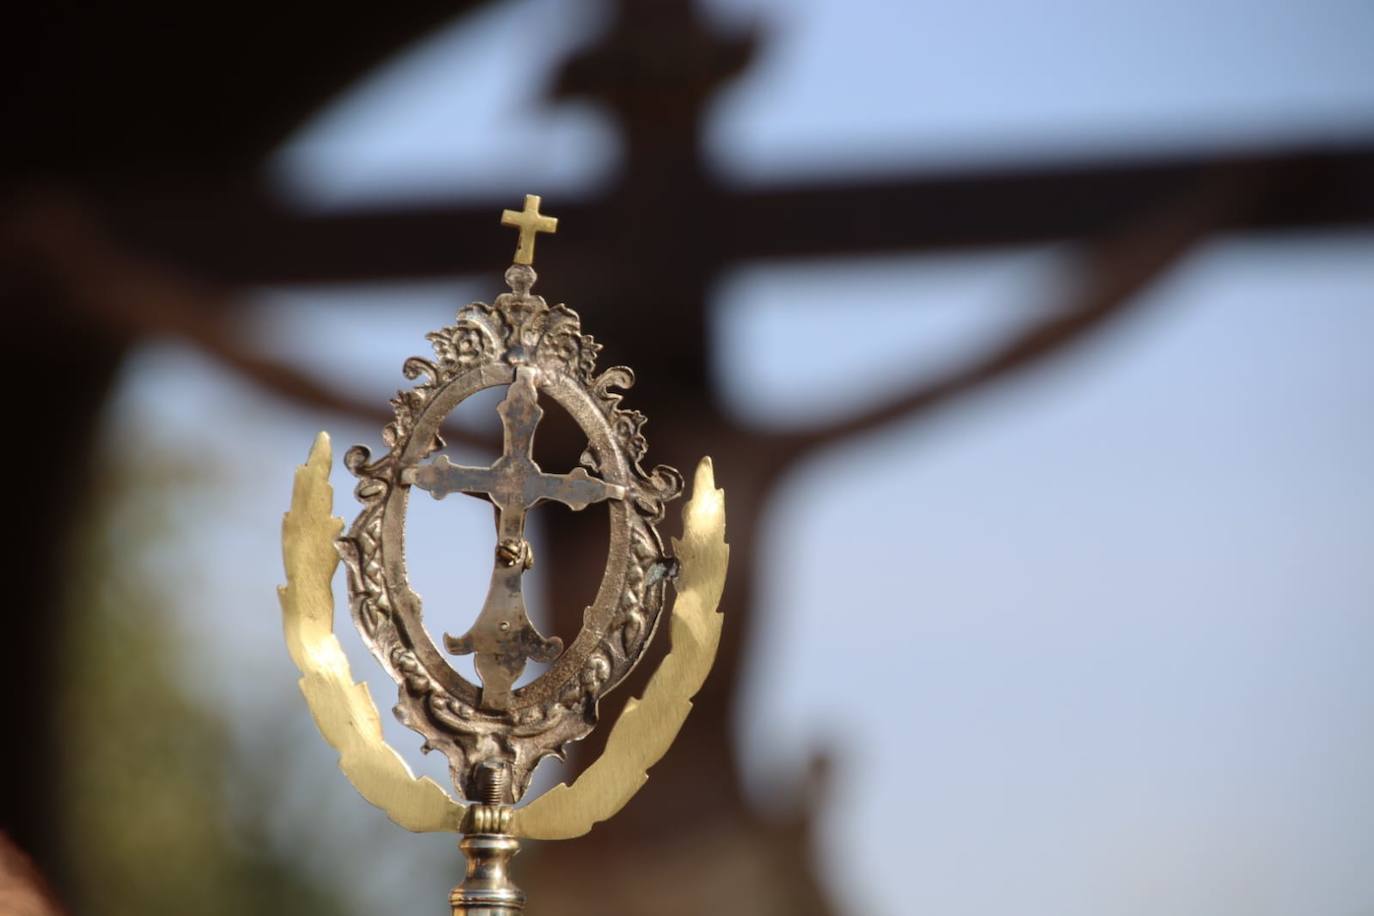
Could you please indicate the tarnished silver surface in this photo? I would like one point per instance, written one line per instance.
(493, 735)
(536, 351)
(503, 636)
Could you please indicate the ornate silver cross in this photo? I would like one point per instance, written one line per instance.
(495, 734)
(502, 636)
(535, 353)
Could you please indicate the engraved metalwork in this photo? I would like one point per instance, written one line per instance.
(495, 734)
(538, 352)
(347, 717)
(647, 726)
(503, 636)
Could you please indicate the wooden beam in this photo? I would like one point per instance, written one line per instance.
(246, 236)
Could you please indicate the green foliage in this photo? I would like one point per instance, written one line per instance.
(148, 772)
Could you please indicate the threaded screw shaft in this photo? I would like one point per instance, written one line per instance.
(493, 779)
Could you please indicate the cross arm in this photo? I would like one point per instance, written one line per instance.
(442, 477)
(576, 490)
(240, 233)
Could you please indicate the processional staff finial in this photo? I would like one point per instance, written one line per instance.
(495, 733)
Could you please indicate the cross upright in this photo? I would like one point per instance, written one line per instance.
(530, 222)
(502, 637)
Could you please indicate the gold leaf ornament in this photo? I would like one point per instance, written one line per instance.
(343, 709)
(347, 716)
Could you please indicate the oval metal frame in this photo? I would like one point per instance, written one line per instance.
(612, 466)
(487, 346)
(349, 721)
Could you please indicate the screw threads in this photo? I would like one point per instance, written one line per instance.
(493, 781)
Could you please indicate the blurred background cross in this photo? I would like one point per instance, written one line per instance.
(137, 209)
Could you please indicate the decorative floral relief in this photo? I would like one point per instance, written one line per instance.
(518, 329)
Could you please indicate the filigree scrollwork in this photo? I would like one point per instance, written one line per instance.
(518, 341)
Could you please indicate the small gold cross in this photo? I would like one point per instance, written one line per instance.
(529, 221)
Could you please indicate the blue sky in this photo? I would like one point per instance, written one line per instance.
(869, 83)
(1119, 642)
